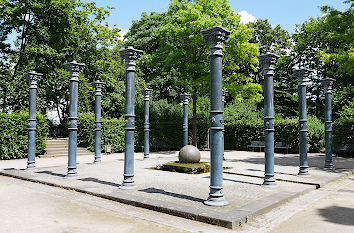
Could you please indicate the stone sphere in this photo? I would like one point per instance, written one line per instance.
(189, 154)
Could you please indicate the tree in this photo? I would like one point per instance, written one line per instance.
(184, 56)
(273, 40)
(277, 40)
(50, 33)
(325, 45)
(145, 34)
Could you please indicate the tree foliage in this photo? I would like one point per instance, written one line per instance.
(50, 33)
(178, 56)
(325, 45)
(270, 40)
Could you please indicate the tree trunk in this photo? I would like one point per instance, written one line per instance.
(194, 120)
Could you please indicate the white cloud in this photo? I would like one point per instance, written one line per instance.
(246, 17)
(123, 32)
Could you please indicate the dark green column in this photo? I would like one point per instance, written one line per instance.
(98, 97)
(130, 55)
(328, 84)
(146, 92)
(302, 76)
(216, 37)
(74, 68)
(185, 100)
(32, 78)
(268, 61)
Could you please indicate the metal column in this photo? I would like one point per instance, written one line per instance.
(130, 55)
(185, 100)
(224, 92)
(328, 83)
(74, 68)
(268, 61)
(216, 36)
(302, 76)
(32, 78)
(147, 92)
(98, 95)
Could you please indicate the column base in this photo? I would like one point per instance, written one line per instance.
(269, 183)
(216, 197)
(31, 166)
(97, 161)
(128, 182)
(72, 173)
(303, 171)
(146, 156)
(127, 186)
(269, 179)
(329, 167)
(216, 201)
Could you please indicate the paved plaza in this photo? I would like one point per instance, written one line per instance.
(182, 195)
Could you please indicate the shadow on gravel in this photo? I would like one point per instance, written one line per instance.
(91, 179)
(338, 215)
(51, 173)
(161, 191)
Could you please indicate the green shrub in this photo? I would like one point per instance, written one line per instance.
(343, 131)
(14, 135)
(166, 121)
(316, 134)
(112, 132)
(239, 134)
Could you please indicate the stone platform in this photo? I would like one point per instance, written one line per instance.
(183, 194)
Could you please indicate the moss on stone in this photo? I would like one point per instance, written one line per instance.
(190, 168)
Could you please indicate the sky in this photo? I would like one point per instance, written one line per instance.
(287, 13)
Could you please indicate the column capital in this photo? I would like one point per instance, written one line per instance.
(32, 77)
(74, 68)
(224, 93)
(185, 97)
(146, 92)
(302, 75)
(328, 84)
(129, 53)
(98, 85)
(268, 59)
(216, 36)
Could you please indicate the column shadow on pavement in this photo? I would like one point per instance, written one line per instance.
(338, 215)
(177, 195)
(91, 179)
(51, 173)
(340, 164)
(282, 173)
(238, 181)
(242, 182)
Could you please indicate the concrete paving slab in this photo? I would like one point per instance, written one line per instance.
(286, 168)
(183, 194)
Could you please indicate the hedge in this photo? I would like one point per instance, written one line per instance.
(169, 132)
(112, 132)
(343, 131)
(14, 135)
(239, 134)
